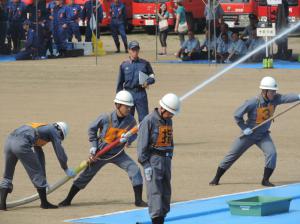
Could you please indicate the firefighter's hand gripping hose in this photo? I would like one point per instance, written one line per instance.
(84, 164)
(270, 119)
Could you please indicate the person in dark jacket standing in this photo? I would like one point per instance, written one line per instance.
(130, 78)
(117, 25)
(16, 17)
(3, 23)
(88, 17)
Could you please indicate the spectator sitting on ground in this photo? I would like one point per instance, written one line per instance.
(237, 48)
(254, 43)
(210, 44)
(190, 49)
(223, 48)
(224, 29)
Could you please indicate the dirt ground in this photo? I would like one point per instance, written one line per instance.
(77, 91)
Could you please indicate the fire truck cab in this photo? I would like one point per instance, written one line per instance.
(264, 11)
(236, 12)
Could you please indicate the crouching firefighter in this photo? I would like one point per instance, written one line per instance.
(25, 144)
(111, 126)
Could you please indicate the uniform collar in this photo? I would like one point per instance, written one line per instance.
(263, 100)
(158, 116)
(132, 61)
(114, 117)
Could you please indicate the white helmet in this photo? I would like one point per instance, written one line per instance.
(171, 103)
(268, 83)
(64, 127)
(124, 97)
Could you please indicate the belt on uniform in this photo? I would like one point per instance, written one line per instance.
(162, 153)
(135, 89)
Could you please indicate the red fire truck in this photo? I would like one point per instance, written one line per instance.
(264, 11)
(144, 13)
(236, 12)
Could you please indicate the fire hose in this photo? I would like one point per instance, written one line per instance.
(83, 165)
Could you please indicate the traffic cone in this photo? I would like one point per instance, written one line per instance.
(97, 46)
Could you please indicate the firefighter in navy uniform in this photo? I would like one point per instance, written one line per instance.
(88, 12)
(25, 144)
(118, 23)
(129, 79)
(155, 150)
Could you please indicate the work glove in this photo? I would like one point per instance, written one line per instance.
(70, 172)
(247, 131)
(93, 150)
(148, 173)
(123, 139)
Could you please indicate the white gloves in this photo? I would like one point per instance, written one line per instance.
(70, 172)
(123, 139)
(93, 150)
(247, 131)
(299, 96)
(148, 173)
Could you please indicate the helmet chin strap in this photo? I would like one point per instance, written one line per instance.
(266, 95)
(118, 108)
(162, 111)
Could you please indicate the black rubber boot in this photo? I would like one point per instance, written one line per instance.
(45, 204)
(118, 48)
(267, 174)
(158, 220)
(3, 195)
(67, 202)
(138, 192)
(219, 174)
(126, 48)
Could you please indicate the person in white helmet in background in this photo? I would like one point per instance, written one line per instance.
(25, 144)
(103, 131)
(258, 109)
(155, 150)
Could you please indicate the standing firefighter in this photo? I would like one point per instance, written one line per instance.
(91, 18)
(73, 15)
(155, 151)
(16, 17)
(258, 109)
(110, 127)
(135, 76)
(25, 144)
(118, 23)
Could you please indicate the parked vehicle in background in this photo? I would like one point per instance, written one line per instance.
(236, 12)
(264, 11)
